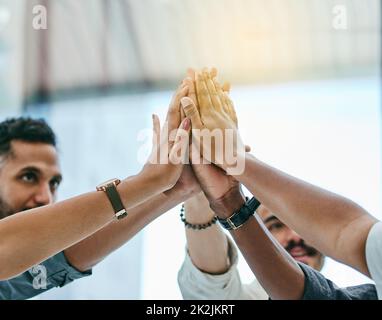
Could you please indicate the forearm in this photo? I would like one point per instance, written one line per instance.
(90, 251)
(30, 237)
(208, 248)
(335, 225)
(274, 268)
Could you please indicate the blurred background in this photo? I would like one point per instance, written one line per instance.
(305, 80)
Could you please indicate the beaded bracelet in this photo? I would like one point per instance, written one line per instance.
(196, 226)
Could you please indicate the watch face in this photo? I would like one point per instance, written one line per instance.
(108, 183)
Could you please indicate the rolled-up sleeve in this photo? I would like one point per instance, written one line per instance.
(197, 285)
(53, 272)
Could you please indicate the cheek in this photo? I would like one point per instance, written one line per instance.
(16, 195)
(280, 237)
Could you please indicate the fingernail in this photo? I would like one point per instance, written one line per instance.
(185, 102)
(186, 124)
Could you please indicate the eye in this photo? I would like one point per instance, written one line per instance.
(54, 184)
(29, 177)
(275, 226)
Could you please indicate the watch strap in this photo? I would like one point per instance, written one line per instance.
(238, 218)
(116, 202)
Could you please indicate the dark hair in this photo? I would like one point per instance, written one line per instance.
(24, 129)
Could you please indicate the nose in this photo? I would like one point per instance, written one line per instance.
(290, 236)
(43, 195)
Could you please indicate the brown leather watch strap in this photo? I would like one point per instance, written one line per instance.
(116, 201)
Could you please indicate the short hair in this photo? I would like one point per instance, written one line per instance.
(25, 129)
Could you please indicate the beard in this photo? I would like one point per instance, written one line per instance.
(5, 209)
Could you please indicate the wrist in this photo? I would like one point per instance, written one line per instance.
(182, 193)
(197, 209)
(237, 166)
(153, 179)
(232, 201)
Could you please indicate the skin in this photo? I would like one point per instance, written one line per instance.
(57, 227)
(29, 176)
(291, 241)
(311, 211)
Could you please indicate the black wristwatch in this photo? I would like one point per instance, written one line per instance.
(239, 217)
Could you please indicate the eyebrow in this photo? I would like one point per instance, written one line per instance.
(37, 171)
(31, 169)
(270, 219)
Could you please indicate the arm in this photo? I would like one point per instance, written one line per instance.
(51, 229)
(344, 224)
(208, 248)
(312, 212)
(278, 273)
(209, 270)
(275, 269)
(90, 251)
(87, 253)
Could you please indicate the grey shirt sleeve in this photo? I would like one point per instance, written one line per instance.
(53, 272)
(317, 287)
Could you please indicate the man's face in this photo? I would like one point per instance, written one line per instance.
(29, 177)
(291, 241)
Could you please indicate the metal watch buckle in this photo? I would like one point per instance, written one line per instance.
(231, 224)
(121, 214)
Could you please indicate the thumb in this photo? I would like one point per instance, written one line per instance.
(191, 112)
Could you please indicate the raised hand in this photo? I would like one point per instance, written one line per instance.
(214, 121)
(215, 183)
(170, 145)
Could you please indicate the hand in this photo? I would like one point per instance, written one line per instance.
(214, 182)
(217, 136)
(170, 145)
(222, 191)
(187, 185)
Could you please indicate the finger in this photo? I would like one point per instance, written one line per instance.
(191, 90)
(182, 115)
(213, 72)
(155, 140)
(226, 87)
(221, 95)
(173, 115)
(191, 73)
(178, 94)
(232, 111)
(191, 112)
(202, 94)
(156, 130)
(215, 99)
(179, 151)
(205, 72)
(195, 154)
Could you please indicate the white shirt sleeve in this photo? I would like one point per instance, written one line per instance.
(374, 256)
(197, 285)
